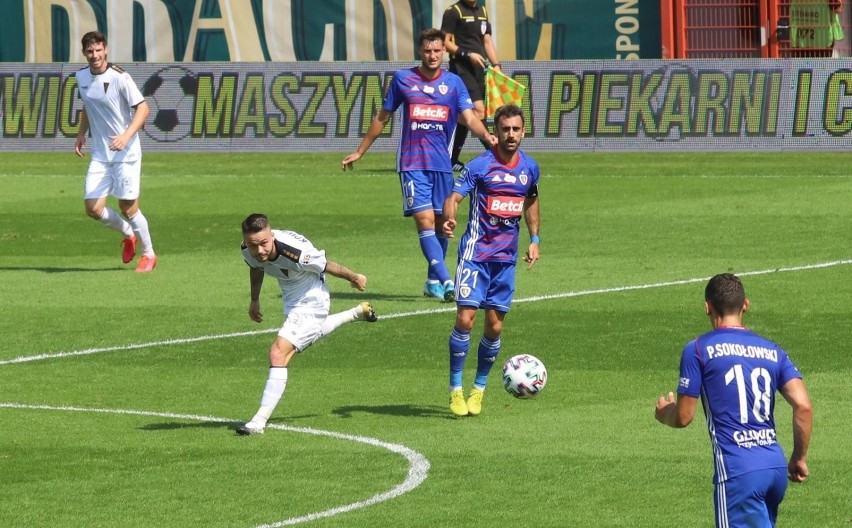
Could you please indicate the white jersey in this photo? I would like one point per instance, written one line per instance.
(109, 98)
(299, 269)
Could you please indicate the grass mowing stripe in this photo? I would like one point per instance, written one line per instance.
(418, 465)
(182, 341)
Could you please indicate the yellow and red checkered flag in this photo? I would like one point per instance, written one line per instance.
(501, 90)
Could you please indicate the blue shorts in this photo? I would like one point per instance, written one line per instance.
(750, 499)
(489, 285)
(422, 190)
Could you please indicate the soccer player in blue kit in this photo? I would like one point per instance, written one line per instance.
(736, 373)
(433, 101)
(503, 186)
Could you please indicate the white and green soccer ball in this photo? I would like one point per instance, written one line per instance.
(524, 376)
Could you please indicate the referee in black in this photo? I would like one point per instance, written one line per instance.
(468, 40)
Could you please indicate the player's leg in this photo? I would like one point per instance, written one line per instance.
(441, 188)
(127, 188)
(280, 354)
(459, 346)
(417, 203)
(97, 187)
(363, 312)
(500, 280)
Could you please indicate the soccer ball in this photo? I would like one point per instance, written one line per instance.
(524, 376)
(171, 95)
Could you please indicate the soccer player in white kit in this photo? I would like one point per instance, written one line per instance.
(300, 269)
(114, 110)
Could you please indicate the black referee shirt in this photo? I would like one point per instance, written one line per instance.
(469, 25)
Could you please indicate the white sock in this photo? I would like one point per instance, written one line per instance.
(113, 220)
(335, 321)
(272, 392)
(140, 228)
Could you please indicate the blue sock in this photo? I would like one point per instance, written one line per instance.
(434, 255)
(488, 350)
(459, 345)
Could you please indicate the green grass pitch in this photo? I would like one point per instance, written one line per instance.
(119, 392)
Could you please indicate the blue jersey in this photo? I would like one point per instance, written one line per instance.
(431, 110)
(737, 374)
(497, 195)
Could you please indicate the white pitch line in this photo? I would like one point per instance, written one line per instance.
(537, 298)
(418, 465)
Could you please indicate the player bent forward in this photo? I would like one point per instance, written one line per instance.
(503, 186)
(299, 268)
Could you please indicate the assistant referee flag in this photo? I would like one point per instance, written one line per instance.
(501, 90)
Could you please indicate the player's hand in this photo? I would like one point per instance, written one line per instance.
(79, 145)
(118, 142)
(495, 67)
(492, 139)
(797, 471)
(449, 227)
(359, 282)
(254, 312)
(664, 406)
(532, 255)
(349, 160)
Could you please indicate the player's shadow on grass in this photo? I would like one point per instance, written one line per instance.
(44, 269)
(372, 297)
(171, 426)
(414, 411)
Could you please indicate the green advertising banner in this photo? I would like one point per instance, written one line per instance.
(745, 104)
(42, 31)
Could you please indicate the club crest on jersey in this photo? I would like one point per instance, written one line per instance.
(464, 291)
(524, 178)
(443, 88)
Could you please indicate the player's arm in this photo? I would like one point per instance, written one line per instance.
(491, 51)
(676, 413)
(356, 280)
(81, 134)
(140, 114)
(376, 127)
(477, 127)
(531, 217)
(796, 394)
(255, 284)
(451, 206)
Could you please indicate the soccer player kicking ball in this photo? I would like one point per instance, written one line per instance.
(503, 185)
(299, 268)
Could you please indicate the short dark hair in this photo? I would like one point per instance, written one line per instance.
(428, 35)
(255, 223)
(93, 37)
(725, 293)
(509, 110)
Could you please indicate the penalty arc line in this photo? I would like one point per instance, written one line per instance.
(418, 465)
(537, 298)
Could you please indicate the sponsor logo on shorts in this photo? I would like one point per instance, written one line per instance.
(421, 112)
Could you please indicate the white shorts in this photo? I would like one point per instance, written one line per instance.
(120, 179)
(303, 327)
